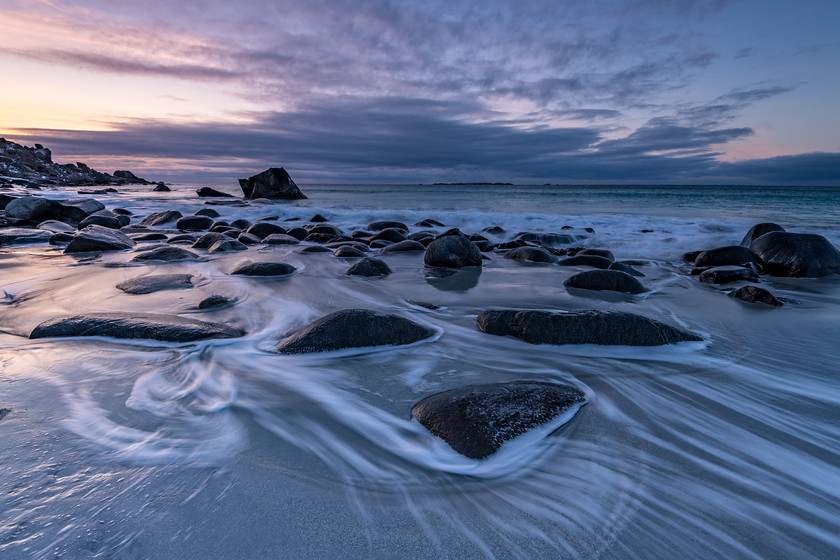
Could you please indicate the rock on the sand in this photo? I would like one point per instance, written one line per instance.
(169, 328)
(754, 294)
(98, 238)
(263, 269)
(806, 255)
(353, 328)
(369, 267)
(581, 327)
(452, 250)
(273, 183)
(157, 283)
(476, 420)
(611, 280)
(531, 254)
(167, 254)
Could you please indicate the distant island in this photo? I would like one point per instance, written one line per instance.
(471, 184)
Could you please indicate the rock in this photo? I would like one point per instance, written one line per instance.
(264, 229)
(279, 239)
(427, 223)
(393, 235)
(353, 328)
(758, 230)
(531, 254)
(407, 246)
(369, 267)
(61, 238)
(494, 230)
(263, 269)
(612, 280)
(214, 301)
(312, 249)
(4, 412)
(209, 212)
(184, 238)
(130, 178)
(727, 274)
(581, 327)
(227, 246)
(452, 251)
(348, 252)
(166, 253)
(194, 223)
(796, 254)
(725, 256)
(243, 224)
(20, 236)
(157, 283)
(622, 267)
(110, 222)
(550, 239)
(148, 236)
(273, 183)
(317, 218)
(98, 238)
(326, 229)
(209, 191)
(161, 188)
(597, 252)
(248, 239)
(586, 260)
(754, 294)
(6, 199)
(33, 210)
(208, 239)
(56, 227)
(386, 224)
(476, 420)
(168, 328)
(298, 233)
(159, 218)
(691, 256)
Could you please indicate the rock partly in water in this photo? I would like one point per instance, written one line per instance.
(595, 261)
(531, 254)
(407, 246)
(166, 254)
(452, 250)
(581, 327)
(214, 301)
(279, 239)
(209, 191)
(353, 328)
(386, 224)
(727, 274)
(754, 294)
(33, 210)
(622, 267)
(550, 239)
(612, 280)
(273, 183)
(476, 420)
(157, 283)
(369, 267)
(758, 230)
(263, 269)
(169, 328)
(20, 236)
(227, 246)
(98, 238)
(725, 256)
(194, 223)
(158, 218)
(348, 252)
(796, 254)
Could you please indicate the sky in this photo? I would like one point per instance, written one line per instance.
(356, 91)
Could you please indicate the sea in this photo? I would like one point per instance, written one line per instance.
(725, 448)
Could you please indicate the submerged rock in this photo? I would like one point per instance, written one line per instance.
(353, 328)
(796, 254)
(263, 269)
(169, 328)
(98, 238)
(476, 420)
(611, 280)
(754, 294)
(273, 183)
(157, 283)
(581, 327)
(369, 267)
(452, 250)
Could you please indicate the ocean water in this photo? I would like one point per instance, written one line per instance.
(226, 449)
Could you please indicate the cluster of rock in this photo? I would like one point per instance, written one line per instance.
(34, 167)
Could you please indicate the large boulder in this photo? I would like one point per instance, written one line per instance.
(476, 420)
(452, 250)
(169, 328)
(32, 210)
(724, 256)
(19, 236)
(156, 283)
(796, 254)
(98, 238)
(758, 230)
(353, 328)
(581, 327)
(273, 183)
(611, 280)
(194, 223)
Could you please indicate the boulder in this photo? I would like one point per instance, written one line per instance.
(208, 239)
(214, 301)
(595, 261)
(724, 256)
(386, 224)
(348, 252)
(754, 294)
(796, 254)
(273, 183)
(550, 239)
(111, 222)
(369, 267)
(33, 210)
(353, 328)
(194, 223)
(209, 212)
(612, 280)
(727, 274)
(56, 227)
(581, 327)
(98, 238)
(157, 283)
(452, 250)
(264, 229)
(166, 254)
(161, 188)
(156, 236)
(279, 239)
(428, 223)
(263, 269)
(158, 218)
(209, 191)
(407, 246)
(597, 252)
(168, 328)
(531, 254)
(393, 235)
(227, 246)
(758, 230)
(622, 267)
(20, 236)
(476, 420)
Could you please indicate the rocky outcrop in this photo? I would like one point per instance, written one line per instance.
(169, 328)
(581, 327)
(796, 254)
(476, 420)
(273, 183)
(353, 328)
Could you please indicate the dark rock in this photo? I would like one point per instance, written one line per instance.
(389, 234)
(61, 238)
(161, 188)
(20, 236)
(243, 224)
(264, 229)
(325, 229)
(622, 267)
(227, 246)
(159, 218)
(796, 254)
(130, 178)
(298, 233)
(353, 328)
(33, 210)
(122, 212)
(273, 183)
(348, 252)
(312, 249)
(209, 212)
(155, 236)
(184, 238)
(208, 191)
(100, 220)
(494, 230)
(169, 328)
(206, 240)
(611, 280)
(386, 224)
(380, 244)
(248, 239)
(691, 256)
(194, 223)
(546, 238)
(318, 218)
(369, 267)
(597, 252)
(452, 280)
(263, 269)
(214, 301)
(531, 254)
(319, 237)
(4, 412)
(407, 246)
(98, 238)
(166, 254)
(476, 420)
(586, 260)
(758, 230)
(5, 199)
(727, 274)
(725, 256)
(279, 239)
(452, 251)
(427, 223)
(157, 283)
(581, 327)
(754, 294)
